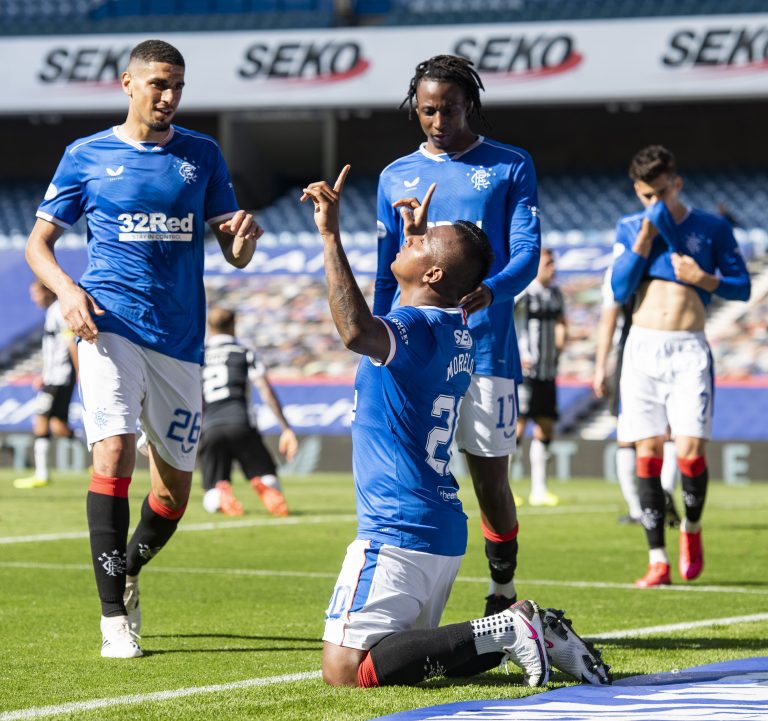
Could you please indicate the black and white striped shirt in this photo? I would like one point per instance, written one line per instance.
(537, 312)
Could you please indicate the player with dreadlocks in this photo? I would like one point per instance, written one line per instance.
(494, 186)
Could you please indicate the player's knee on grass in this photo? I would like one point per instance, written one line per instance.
(341, 664)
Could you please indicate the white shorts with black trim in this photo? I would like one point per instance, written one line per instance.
(383, 589)
(122, 383)
(487, 425)
(666, 380)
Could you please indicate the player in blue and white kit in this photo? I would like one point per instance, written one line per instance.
(148, 189)
(381, 623)
(674, 258)
(494, 186)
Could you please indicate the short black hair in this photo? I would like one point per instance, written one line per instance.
(156, 51)
(652, 162)
(479, 255)
(448, 69)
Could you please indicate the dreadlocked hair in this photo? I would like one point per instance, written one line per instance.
(448, 69)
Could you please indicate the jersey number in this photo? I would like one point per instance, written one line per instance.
(185, 430)
(444, 407)
(215, 383)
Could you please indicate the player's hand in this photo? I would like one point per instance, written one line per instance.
(479, 298)
(687, 270)
(414, 213)
(78, 309)
(599, 385)
(327, 201)
(245, 230)
(288, 444)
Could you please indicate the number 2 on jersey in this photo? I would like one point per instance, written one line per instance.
(441, 436)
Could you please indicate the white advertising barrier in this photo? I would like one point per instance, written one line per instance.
(724, 56)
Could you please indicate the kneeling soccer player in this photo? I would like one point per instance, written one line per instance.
(381, 623)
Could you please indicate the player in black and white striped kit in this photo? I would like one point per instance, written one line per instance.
(541, 314)
(229, 427)
(59, 375)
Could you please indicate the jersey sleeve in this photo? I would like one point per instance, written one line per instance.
(64, 201)
(628, 266)
(413, 343)
(388, 231)
(220, 201)
(256, 367)
(524, 235)
(734, 276)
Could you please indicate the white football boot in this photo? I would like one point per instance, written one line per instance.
(570, 653)
(527, 651)
(118, 641)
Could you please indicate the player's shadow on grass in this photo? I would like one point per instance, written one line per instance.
(665, 643)
(315, 643)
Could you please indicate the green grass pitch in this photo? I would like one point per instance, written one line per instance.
(231, 601)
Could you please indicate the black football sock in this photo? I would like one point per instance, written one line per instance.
(408, 657)
(158, 523)
(108, 518)
(695, 479)
(651, 499)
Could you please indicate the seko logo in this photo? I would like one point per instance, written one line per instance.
(720, 48)
(328, 61)
(86, 64)
(520, 56)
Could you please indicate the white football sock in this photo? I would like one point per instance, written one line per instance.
(538, 456)
(658, 555)
(492, 633)
(40, 448)
(625, 472)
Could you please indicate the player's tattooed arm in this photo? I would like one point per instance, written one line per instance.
(360, 331)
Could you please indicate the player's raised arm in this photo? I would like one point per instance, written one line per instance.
(360, 331)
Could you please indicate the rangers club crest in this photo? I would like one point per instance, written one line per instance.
(480, 177)
(113, 563)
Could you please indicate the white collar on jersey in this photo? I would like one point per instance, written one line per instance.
(445, 157)
(144, 146)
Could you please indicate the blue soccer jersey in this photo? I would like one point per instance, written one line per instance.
(707, 238)
(494, 186)
(404, 423)
(146, 207)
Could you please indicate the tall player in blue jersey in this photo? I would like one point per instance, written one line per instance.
(494, 186)
(148, 189)
(674, 257)
(381, 623)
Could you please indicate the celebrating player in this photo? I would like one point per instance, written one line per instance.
(494, 186)
(229, 429)
(147, 188)
(381, 623)
(674, 257)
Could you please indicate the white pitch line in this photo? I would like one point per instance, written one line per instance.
(34, 565)
(75, 706)
(293, 521)
(706, 623)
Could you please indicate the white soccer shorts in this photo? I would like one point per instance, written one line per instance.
(122, 383)
(666, 380)
(383, 589)
(487, 424)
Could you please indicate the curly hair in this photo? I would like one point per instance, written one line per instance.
(448, 69)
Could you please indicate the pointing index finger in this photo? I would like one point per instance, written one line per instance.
(428, 197)
(339, 184)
